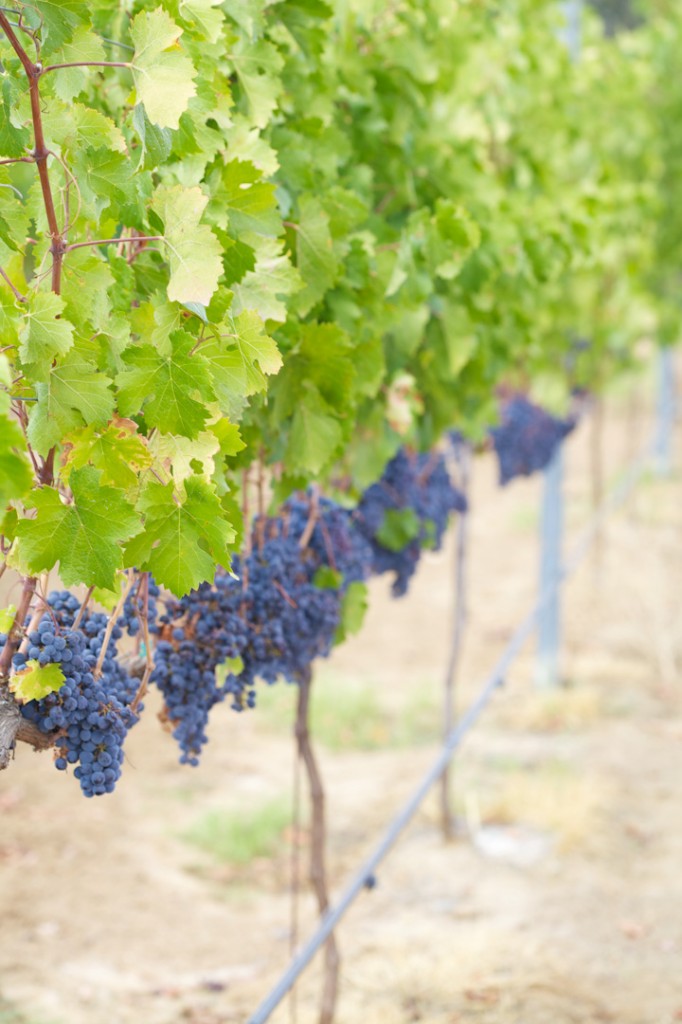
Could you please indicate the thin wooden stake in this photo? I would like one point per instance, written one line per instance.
(318, 871)
(463, 457)
(295, 874)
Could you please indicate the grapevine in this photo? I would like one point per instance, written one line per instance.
(190, 292)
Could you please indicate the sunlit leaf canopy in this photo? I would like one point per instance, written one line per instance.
(299, 206)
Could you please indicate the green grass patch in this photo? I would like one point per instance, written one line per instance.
(10, 1014)
(526, 518)
(348, 715)
(238, 837)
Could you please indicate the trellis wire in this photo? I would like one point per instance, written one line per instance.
(487, 690)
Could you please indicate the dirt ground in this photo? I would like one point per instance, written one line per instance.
(561, 901)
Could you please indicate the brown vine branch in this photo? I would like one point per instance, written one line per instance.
(87, 64)
(463, 457)
(115, 241)
(83, 608)
(148, 660)
(10, 716)
(17, 160)
(318, 871)
(312, 519)
(40, 152)
(295, 875)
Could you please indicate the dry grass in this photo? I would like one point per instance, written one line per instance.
(551, 797)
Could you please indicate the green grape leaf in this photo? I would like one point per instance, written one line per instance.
(195, 252)
(74, 393)
(7, 617)
(315, 434)
(78, 127)
(238, 259)
(258, 66)
(43, 335)
(105, 177)
(241, 359)
(163, 385)
(399, 527)
(229, 438)
(202, 14)
(315, 257)
(324, 356)
(182, 542)
(34, 681)
(84, 537)
(231, 666)
(184, 456)
(164, 77)
(83, 46)
(15, 472)
(117, 452)
(156, 142)
(354, 604)
(327, 578)
(59, 19)
(8, 524)
(272, 280)
(452, 239)
(244, 200)
(249, 15)
(14, 138)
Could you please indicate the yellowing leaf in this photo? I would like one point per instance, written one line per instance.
(116, 451)
(194, 251)
(182, 457)
(35, 681)
(163, 76)
(7, 617)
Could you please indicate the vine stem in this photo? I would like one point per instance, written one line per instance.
(318, 871)
(460, 614)
(40, 156)
(10, 716)
(11, 644)
(247, 529)
(83, 608)
(149, 662)
(87, 64)
(113, 618)
(312, 519)
(295, 874)
(17, 160)
(115, 241)
(40, 152)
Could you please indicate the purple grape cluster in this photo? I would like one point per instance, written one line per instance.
(272, 618)
(526, 438)
(90, 713)
(419, 484)
(197, 634)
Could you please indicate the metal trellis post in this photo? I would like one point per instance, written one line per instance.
(573, 10)
(549, 619)
(665, 412)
